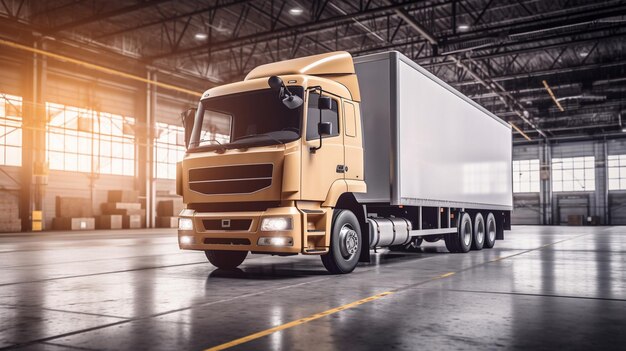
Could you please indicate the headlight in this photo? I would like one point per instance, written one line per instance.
(275, 241)
(185, 224)
(273, 224)
(186, 240)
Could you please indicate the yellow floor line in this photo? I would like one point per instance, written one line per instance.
(297, 322)
(313, 317)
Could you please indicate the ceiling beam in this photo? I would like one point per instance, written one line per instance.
(172, 18)
(307, 28)
(105, 15)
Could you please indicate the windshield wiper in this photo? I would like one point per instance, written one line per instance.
(204, 140)
(256, 135)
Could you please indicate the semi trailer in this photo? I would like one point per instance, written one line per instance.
(334, 156)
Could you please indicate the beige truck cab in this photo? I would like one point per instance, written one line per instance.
(259, 177)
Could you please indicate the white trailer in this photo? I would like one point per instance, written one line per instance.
(431, 150)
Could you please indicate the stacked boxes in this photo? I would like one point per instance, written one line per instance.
(73, 213)
(9, 214)
(167, 213)
(122, 210)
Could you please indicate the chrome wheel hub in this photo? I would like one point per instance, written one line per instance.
(348, 241)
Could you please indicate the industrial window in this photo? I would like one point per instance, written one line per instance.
(313, 118)
(169, 148)
(10, 130)
(526, 176)
(573, 174)
(89, 141)
(617, 172)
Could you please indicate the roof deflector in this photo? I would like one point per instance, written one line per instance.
(332, 63)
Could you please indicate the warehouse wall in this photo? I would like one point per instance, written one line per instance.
(65, 84)
(549, 207)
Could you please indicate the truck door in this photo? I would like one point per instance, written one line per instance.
(320, 168)
(352, 138)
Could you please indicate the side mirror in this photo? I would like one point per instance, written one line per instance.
(275, 83)
(188, 117)
(324, 103)
(324, 128)
(290, 100)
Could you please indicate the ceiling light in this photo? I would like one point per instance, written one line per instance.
(296, 11)
(201, 36)
(583, 53)
(463, 27)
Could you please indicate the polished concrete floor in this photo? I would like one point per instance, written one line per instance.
(541, 288)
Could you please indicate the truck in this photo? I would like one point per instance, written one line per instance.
(336, 156)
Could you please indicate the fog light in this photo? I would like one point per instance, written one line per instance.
(273, 224)
(185, 224)
(275, 241)
(186, 240)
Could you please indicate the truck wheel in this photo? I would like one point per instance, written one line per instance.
(461, 242)
(490, 231)
(478, 239)
(412, 246)
(345, 243)
(225, 259)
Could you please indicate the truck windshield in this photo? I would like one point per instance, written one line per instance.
(253, 118)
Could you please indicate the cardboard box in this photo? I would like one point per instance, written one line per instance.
(131, 221)
(109, 222)
(575, 220)
(79, 223)
(167, 222)
(73, 207)
(123, 196)
(122, 208)
(169, 208)
(11, 225)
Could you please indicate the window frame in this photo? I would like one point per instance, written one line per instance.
(335, 104)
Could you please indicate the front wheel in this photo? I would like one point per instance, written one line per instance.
(345, 243)
(226, 259)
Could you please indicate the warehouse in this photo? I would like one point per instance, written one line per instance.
(101, 132)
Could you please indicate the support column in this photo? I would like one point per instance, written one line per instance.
(33, 170)
(150, 162)
(545, 186)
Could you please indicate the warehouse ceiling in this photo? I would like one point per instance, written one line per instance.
(554, 69)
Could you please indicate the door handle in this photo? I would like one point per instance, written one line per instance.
(342, 168)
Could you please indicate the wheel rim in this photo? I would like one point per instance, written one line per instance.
(467, 233)
(491, 231)
(348, 241)
(480, 232)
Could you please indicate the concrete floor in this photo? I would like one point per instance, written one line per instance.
(541, 288)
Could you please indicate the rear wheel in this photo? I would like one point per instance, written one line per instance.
(345, 243)
(461, 242)
(478, 239)
(225, 259)
(490, 231)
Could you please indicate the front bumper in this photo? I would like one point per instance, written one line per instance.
(240, 231)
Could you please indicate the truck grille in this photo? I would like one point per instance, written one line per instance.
(227, 224)
(231, 179)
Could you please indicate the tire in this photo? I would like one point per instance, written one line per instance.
(225, 259)
(412, 246)
(461, 242)
(491, 228)
(478, 234)
(345, 243)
